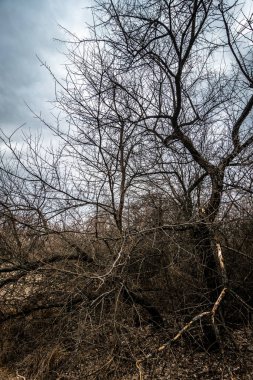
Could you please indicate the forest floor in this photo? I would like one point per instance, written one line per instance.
(179, 362)
(184, 363)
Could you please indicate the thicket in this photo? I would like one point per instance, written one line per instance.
(126, 248)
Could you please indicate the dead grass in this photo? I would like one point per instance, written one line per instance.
(6, 374)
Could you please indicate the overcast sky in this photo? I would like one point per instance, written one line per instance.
(27, 29)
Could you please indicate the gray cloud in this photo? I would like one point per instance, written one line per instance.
(27, 28)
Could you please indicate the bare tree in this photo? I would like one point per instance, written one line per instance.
(133, 208)
(187, 95)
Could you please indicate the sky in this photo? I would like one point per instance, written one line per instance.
(28, 28)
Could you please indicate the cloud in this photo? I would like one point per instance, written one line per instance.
(28, 28)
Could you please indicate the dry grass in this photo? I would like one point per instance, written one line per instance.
(91, 331)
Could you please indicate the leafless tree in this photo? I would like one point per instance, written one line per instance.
(191, 92)
(153, 164)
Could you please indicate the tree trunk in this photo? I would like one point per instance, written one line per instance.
(204, 243)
